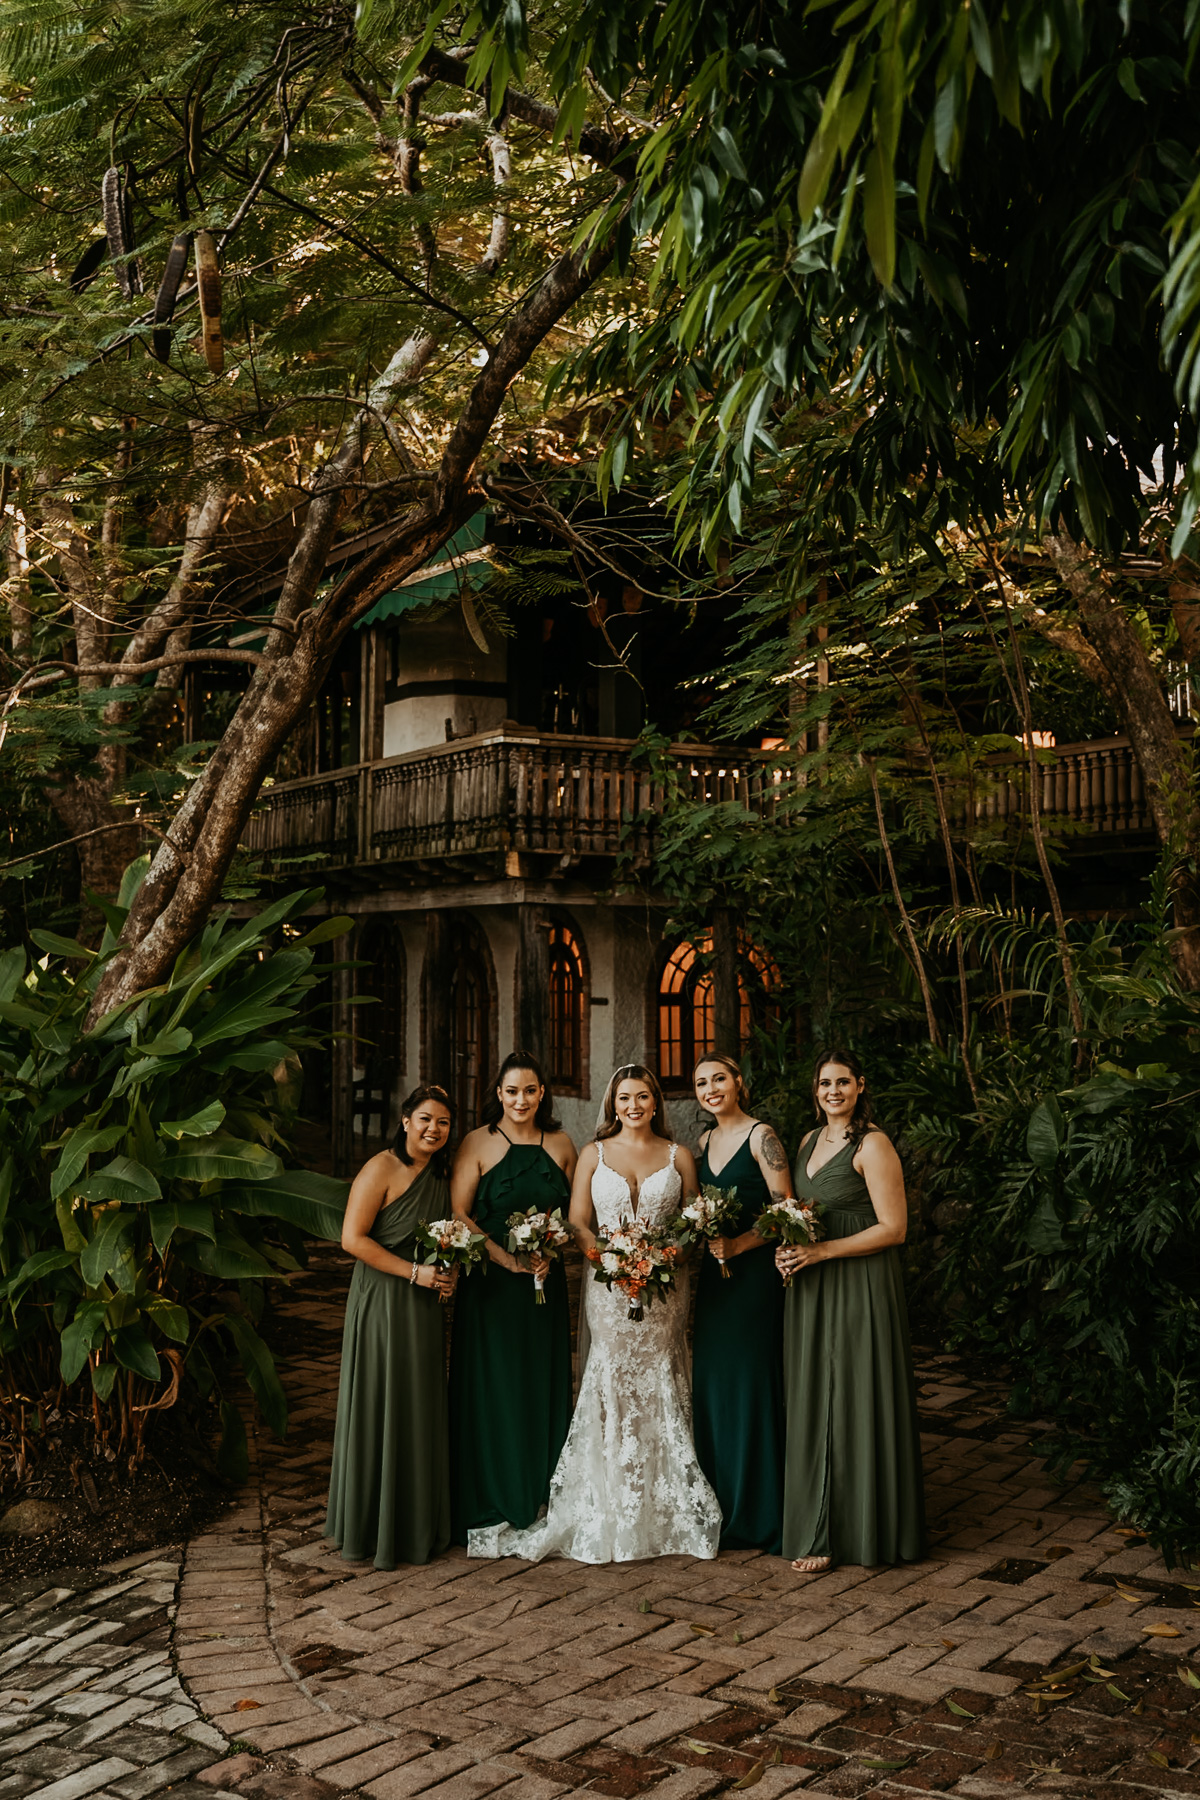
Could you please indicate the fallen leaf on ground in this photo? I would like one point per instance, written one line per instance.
(699, 1748)
(950, 1643)
(247, 1705)
(737, 1637)
(1161, 1630)
(1188, 1675)
(1056, 1552)
(645, 1606)
(751, 1776)
(777, 1758)
(704, 1631)
(994, 1750)
(1156, 1756)
(1104, 1600)
(1136, 1599)
(773, 1696)
(1118, 1693)
(1139, 1707)
(961, 1710)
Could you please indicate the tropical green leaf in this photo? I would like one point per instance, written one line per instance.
(199, 1124)
(221, 1158)
(314, 1203)
(121, 1179)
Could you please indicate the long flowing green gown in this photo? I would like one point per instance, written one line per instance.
(389, 1488)
(510, 1361)
(852, 1482)
(737, 1371)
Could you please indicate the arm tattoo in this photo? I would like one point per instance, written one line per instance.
(772, 1151)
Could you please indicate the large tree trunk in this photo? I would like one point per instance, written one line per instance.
(1165, 761)
(189, 868)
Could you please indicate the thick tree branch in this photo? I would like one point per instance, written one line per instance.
(601, 146)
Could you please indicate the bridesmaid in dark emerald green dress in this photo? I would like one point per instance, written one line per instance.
(510, 1360)
(389, 1487)
(737, 1361)
(852, 1484)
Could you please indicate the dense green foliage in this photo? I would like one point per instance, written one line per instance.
(144, 1200)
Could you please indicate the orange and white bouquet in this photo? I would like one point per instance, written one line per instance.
(637, 1260)
(538, 1233)
(789, 1222)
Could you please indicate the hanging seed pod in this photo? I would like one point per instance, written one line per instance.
(136, 285)
(164, 300)
(471, 621)
(115, 228)
(84, 271)
(208, 281)
(195, 136)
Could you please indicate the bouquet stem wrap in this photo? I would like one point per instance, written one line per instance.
(538, 1233)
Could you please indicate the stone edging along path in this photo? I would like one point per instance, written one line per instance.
(679, 1677)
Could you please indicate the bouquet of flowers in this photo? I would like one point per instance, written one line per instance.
(707, 1216)
(449, 1241)
(639, 1261)
(538, 1233)
(789, 1222)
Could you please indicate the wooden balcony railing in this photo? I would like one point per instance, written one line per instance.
(494, 793)
(1097, 784)
(570, 797)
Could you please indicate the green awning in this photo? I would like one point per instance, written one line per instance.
(461, 563)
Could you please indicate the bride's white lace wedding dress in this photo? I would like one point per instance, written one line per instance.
(627, 1483)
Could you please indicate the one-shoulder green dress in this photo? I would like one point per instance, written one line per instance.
(389, 1488)
(510, 1360)
(737, 1370)
(852, 1481)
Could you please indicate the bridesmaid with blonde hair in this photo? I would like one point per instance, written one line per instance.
(737, 1360)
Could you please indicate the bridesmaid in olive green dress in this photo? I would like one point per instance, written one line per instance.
(510, 1360)
(852, 1484)
(737, 1362)
(389, 1488)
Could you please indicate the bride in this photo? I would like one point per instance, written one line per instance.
(627, 1483)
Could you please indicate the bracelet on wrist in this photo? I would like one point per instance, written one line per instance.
(414, 1271)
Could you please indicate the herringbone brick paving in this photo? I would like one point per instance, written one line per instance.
(463, 1679)
(673, 1679)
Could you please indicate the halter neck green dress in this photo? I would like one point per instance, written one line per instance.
(852, 1482)
(737, 1370)
(510, 1360)
(389, 1488)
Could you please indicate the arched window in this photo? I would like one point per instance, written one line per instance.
(686, 1013)
(568, 999)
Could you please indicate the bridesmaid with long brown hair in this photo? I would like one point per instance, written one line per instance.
(852, 1480)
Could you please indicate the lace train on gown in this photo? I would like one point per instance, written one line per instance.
(627, 1483)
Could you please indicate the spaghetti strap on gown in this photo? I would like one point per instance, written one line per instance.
(852, 1481)
(510, 1360)
(628, 1484)
(737, 1369)
(389, 1487)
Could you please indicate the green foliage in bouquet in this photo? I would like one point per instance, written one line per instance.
(144, 1199)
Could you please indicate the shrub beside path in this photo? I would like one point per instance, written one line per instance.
(674, 1679)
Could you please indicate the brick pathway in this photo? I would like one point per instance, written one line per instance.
(670, 1678)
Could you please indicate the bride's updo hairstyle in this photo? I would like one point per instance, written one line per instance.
(734, 1068)
(610, 1124)
(860, 1118)
(492, 1110)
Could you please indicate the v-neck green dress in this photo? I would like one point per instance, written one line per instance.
(737, 1370)
(510, 1360)
(852, 1481)
(389, 1487)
